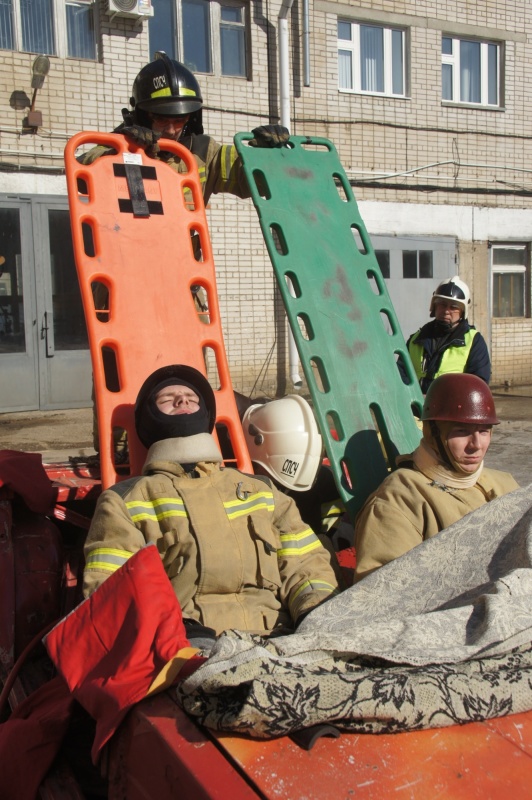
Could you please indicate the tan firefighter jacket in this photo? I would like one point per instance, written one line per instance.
(408, 507)
(234, 547)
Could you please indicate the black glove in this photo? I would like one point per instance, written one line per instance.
(199, 635)
(144, 137)
(269, 136)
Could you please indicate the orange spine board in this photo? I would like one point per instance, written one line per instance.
(145, 266)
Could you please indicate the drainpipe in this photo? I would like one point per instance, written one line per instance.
(284, 91)
(306, 43)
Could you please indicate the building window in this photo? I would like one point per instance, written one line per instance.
(417, 264)
(6, 25)
(80, 29)
(37, 26)
(232, 40)
(207, 36)
(371, 59)
(510, 267)
(50, 27)
(383, 260)
(471, 71)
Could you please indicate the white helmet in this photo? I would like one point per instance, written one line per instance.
(283, 438)
(452, 289)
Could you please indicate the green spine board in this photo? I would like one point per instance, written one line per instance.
(309, 216)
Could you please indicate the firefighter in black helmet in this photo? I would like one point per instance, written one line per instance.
(166, 102)
(167, 88)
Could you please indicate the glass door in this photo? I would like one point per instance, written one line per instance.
(65, 377)
(44, 355)
(19, 383)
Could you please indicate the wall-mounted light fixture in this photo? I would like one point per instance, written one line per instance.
(40, 69)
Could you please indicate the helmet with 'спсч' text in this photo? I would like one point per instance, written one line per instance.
(452, 289)
(460, 397)
(167, 88)
(283, 438)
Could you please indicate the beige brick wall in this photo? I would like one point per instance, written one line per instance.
(444, 154)
(511, 356)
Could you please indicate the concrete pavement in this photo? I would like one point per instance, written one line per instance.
(60, 434)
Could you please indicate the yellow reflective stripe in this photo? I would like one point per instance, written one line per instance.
(299, 551)
(202, 174)
(228, 157)
(156, 510)
(331, 514)
(331, 510)
(166, 92)
(307, 533)
(255, 502)
(294, 543)
(157, 517)
(107, 559)
(314, 586)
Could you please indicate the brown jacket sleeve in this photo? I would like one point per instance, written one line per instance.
(304, 564)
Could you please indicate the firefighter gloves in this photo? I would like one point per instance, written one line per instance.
(144, 137)
(270, 136)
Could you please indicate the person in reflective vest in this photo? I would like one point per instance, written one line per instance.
(235, 548)
(441, 481)
(448, 343)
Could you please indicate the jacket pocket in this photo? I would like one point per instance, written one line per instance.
(266, 544)
(170, 550)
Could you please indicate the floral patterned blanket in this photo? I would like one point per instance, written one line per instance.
(441, 636)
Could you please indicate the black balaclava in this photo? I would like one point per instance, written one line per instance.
(152, 424)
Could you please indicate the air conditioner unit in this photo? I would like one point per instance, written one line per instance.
(134, 9)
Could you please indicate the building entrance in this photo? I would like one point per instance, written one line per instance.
(44, 353)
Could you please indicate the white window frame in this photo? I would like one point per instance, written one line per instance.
(242, 26)
(453, 60)
(215, 23)
(353, 46)
(514, 269)
(59, 29)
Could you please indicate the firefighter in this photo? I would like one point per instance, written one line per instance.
(235, 548)
(166, 102)
(441, 481)
(448, 343)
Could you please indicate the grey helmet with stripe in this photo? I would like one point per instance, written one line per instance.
(167, 88)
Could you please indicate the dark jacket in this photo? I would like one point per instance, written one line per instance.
(435, 345)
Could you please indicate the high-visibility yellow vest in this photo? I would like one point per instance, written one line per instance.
(454, 359)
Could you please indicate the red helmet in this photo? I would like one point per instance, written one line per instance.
(459, 397)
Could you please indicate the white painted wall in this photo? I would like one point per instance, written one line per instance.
(465, 223)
